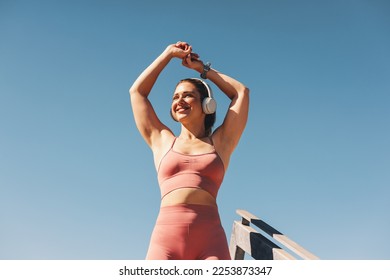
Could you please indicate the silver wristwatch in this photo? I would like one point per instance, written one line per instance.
(206, 68)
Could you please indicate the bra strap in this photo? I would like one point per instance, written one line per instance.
(173, 143)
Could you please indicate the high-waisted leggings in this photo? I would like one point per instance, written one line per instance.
(188, 232)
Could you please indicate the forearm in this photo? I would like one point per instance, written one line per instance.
(228, 85)
(145, 82)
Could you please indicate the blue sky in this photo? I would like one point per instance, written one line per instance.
(78, 182)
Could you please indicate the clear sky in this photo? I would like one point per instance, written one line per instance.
(78, 182)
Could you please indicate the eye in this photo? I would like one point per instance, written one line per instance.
(189, 95)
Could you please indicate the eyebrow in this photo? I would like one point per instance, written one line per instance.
(184, 92)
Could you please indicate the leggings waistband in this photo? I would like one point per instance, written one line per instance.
(188, 214)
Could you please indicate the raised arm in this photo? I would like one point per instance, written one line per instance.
(229, 133)
(145, 117)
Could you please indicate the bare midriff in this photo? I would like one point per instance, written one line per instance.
(188, 196)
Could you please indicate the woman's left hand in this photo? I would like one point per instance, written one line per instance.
(192, 61)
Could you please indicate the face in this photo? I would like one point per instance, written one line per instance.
(186, 102)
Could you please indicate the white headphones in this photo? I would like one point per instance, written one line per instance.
(209, 105)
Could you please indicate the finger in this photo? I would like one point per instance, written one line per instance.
(189, 59)
(180, 43)
(185, 60)
(185, 47)
(194, 56)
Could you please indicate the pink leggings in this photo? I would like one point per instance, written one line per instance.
(188, 232)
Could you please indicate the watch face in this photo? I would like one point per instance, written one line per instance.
(206, 68)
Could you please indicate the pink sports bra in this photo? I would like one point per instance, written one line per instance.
(203, 171)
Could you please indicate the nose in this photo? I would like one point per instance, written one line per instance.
(177, 102)
(180, 100)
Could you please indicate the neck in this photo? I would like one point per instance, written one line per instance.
(194, 133)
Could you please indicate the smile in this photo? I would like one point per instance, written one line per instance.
(182, 108)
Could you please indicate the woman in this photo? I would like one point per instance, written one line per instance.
(191, 166)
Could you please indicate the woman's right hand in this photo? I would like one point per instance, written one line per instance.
(179, 50)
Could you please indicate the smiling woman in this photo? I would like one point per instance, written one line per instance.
(190, 167)
(202, 93)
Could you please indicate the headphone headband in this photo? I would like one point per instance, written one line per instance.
(206, 85)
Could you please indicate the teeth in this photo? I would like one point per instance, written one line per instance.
(182, 108)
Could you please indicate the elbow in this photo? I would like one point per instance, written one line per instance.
(245, 94)
(136, 89)
(132, 90)
(242, 89)
(242, 93)
(246, 90)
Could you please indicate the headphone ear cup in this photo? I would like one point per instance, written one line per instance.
(209, 105)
